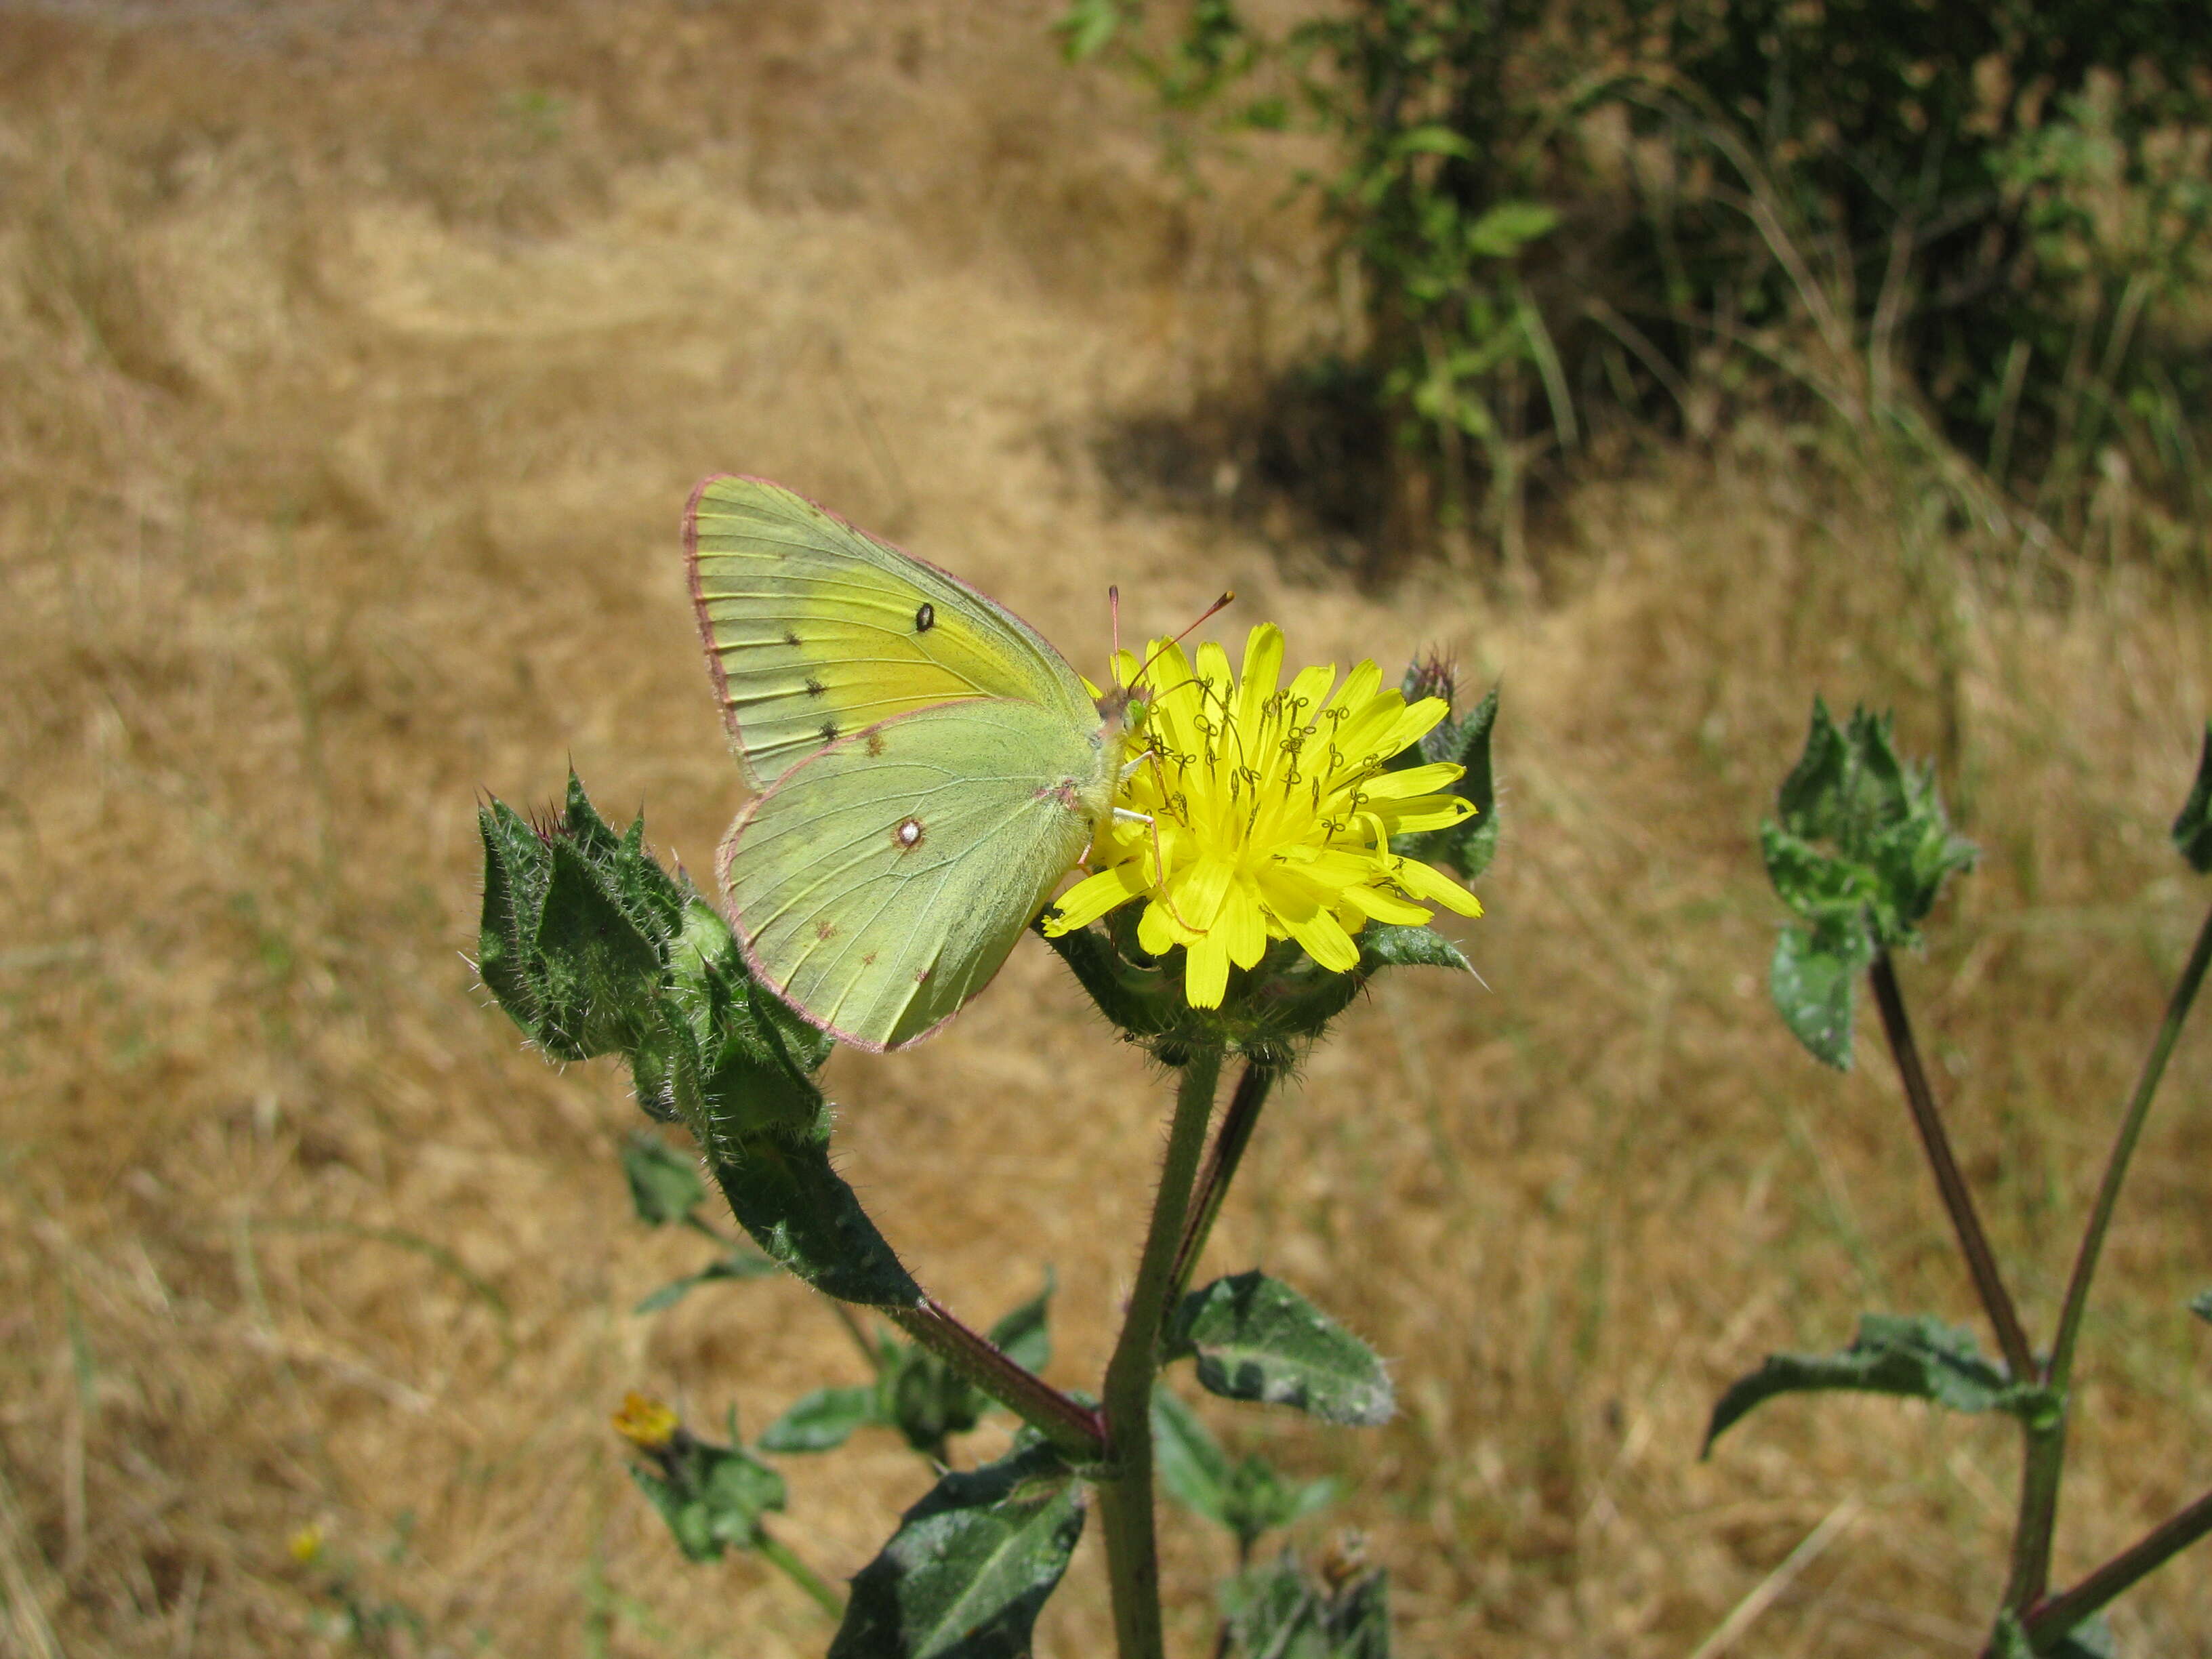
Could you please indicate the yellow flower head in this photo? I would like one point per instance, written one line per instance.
(306, 1546)
(646, 1423)
(1254, 812)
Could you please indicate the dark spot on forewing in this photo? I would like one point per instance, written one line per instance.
(826, 931)
(907, 835)
(791, 639)
(876, 744)
(828, 732)
(815, 688)
(925, 618)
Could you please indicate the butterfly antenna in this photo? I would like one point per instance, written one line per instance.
(1213, 610)
(1114, 609)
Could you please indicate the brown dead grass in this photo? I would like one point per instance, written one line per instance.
(356, 361)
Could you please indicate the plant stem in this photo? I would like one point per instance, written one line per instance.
(2051, 1621)
(861, 1340)
(2046, 1449)
(2043, 1463)
(1125, 1487)
(776, 1552)
(2116, 1166)
(1237, 1122)
(1068, 1424)
(1981, 1262)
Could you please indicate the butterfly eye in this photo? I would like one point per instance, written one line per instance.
(925, 618)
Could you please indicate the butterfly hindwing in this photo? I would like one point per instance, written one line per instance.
(881, 881)
(815, 631)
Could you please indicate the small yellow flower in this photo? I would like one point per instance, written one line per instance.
(1257, 813)
(306, 1546)
(646, 1423)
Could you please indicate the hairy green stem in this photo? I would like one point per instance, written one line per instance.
(776, 1552)
(2116, 1166)
(2051, 1621)
(1981, 1262)
(1125, 1486)
(1068, 1424)
(2043, 1463)
(1240, 1117)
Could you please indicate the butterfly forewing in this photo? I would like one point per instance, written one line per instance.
(880, 884)
(815, 631)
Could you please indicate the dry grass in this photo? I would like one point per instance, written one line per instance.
(356, 361)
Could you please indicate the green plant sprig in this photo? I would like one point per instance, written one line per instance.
(592, 949)
(1859, 849)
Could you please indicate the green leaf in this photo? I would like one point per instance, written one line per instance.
(664, 1187)
(1265, 115)
(1192, 1465)
(1086, 27)
(712, 1496)
(1137, 1001)
(1917, 1356)
(2090, 1639)
(601, 973)
(1386, 944)
(1254, 1337)
(1247, 1498)
(655, 899)
(1828, 892)
(795, 1207)
(738, 1264)
(1506, 228)
(969, 1566)
(1814, 985)
(517, 867)
(2201, 1306)
(1860, 839)
(929, 1401)
(583, 829)
(822, 1420)
(1432, 141)
(1279, 1610)
(756, 1081)
(2192, 830)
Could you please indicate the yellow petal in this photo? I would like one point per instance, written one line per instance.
(1309, 691)
(1198, 891)
(1093, 897)
(1206, 972)
(1220, 680)
(1380, 904)
(1412, 781)
(1156, 930)
(1372, 735)
(1263, 671)
(1359, 686)
(1325, 941)
(1427, 812)
(1427, 882)
(1243, 927)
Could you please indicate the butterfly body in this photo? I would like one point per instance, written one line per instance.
(930, 766)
